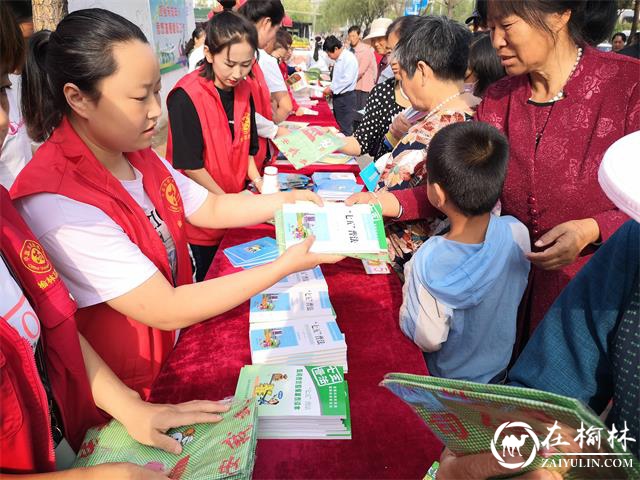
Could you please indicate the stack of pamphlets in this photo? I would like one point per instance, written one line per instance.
(547, 430)
(308, 145)
(254, 253)
(336, 186)
(292, 181)
(298, 402)
(356, 231)
(224, 450)
(300, 341)
(306, 278)
(295, 303)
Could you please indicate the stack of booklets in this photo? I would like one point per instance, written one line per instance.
(356, 231)
(547, 430)
(254, 253)
(296, 326)
(297, 402)
(308, 145)
(224, 450)
(292, 181)
(336, 186)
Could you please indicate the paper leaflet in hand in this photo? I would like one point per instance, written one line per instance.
(308, 145)
(541, 427)
(370, 176)
(356, 231)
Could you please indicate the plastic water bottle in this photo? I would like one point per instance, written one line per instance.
(270, 180)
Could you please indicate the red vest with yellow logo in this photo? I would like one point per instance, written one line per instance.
(64, 165)
(225, 159)
(26, 431)
(262, 99)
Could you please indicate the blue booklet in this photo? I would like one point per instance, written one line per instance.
(370, 176)
(257, 252)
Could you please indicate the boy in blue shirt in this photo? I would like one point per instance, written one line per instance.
(462, 289)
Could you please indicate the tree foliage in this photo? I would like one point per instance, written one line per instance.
(338, 13)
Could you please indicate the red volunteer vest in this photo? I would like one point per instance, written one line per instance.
(225, 159)
(26, 440)
(64, 165)
(262, 101)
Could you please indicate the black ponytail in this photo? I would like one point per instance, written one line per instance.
(80, 51)
(254, 10)
(591, 21)
(316, 50)
(195, 35)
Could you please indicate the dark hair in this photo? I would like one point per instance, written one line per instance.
(283, 39)
(354, 28)
(591, 21)
(254, 10)
(403, 25)
(317, 48)
(11, 41)
(22, 10)
(225, 29)
(484, 63)
(469, 161)
(196, 34)
(441, 43)
(80, 51)
(331, 43)
(619, 34)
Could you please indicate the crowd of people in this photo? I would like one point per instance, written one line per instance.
(508, 178)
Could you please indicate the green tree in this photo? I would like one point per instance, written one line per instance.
(299, 10)
(338, 13)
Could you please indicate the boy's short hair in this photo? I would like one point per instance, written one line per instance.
(331, 43)
(354, 28)
(469, 161)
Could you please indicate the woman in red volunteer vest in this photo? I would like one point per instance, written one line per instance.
(110, 212)
(46, 405)
(267, 16)
(212, 130)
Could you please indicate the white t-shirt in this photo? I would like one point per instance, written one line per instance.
(16, 309)
(272, 73)
(195, 56)
(95, 257)
(16, 149)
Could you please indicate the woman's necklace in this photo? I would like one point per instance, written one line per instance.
(560, 94)
(437, 108)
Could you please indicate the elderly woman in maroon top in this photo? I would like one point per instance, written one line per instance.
(562, 105)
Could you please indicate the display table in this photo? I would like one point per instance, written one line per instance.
(389, 440)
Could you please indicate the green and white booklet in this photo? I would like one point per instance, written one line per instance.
(298, 402)
(224, 450)
(546, 430)
(308, 145)
(356, 231)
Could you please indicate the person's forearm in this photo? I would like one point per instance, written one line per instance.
(238, 210)
(204, 178)
(109, 393)
(170, 308)
(351, 147)
(284, 107)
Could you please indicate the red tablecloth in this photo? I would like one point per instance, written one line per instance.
(324, 118)
(389, 440)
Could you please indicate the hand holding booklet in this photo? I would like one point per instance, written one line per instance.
(547, 430)
(356, 231)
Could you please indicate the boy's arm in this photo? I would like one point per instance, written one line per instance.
(422, 318)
